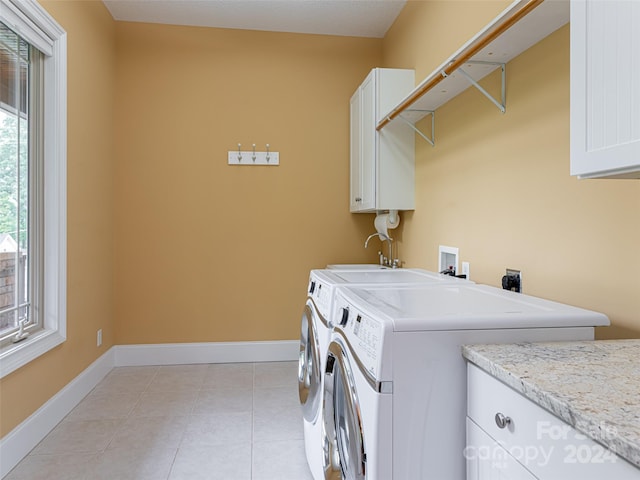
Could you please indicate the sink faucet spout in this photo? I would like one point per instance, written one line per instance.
(383, 260)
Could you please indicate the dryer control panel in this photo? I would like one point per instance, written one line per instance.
(368, 332)
(364, 333)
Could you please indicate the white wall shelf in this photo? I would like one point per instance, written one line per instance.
(523, 24)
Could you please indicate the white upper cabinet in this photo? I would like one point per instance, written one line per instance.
(382, 162)
(605, 88)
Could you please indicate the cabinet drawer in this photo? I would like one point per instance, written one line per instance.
(488, 460)
(544, 444)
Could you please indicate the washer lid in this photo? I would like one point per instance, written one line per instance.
(357, 266)
(466, 307)
(388, 276)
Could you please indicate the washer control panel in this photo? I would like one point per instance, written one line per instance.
(322, 295)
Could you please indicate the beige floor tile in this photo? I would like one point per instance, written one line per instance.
(145, 462)
(277, 397)
(126, 380)
(106, 405)
(220, 462)
(174, 378)
(165, 404)
(216, 429)
(84, 436)
(224, 401)
(278, 423)
(158, 432)
(276, 374)
(54, 467)
(277, 415)
(229, 375)
(283, 460)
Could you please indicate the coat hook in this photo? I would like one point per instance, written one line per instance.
(239, 154)
(253, 157)
(267, 152)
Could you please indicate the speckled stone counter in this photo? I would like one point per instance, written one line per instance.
(592, 386)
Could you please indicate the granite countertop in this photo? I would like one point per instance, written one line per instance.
(594, 386)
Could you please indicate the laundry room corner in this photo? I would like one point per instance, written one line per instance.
(497, 186)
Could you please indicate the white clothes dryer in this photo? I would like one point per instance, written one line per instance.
(316, 327)
(395, 379)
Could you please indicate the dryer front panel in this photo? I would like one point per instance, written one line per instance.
(309, 374)
(345, 456)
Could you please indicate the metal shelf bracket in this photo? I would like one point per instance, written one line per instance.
(501, 105)
(431, 140)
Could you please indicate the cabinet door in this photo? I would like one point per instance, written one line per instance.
(355, 162)
(369, 152)
(488, 460)
(363, 148)
(605, 88)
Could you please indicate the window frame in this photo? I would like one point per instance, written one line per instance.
(29, 20)
(25, 307)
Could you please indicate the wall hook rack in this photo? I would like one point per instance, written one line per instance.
(253, 157)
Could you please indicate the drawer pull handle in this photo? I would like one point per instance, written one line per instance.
(502, 421)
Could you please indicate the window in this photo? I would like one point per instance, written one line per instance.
(20, 185)
(32, 183)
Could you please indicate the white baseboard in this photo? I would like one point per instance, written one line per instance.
(21, 440)
(219, 352)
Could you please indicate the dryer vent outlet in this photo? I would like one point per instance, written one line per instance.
(448, 260)
(512, 280)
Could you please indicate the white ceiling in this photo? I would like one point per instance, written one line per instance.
(359, 18)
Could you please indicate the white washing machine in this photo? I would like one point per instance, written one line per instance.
(316, 327)
(395, 379)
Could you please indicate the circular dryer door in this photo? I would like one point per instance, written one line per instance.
(309, 365)
(344, 452)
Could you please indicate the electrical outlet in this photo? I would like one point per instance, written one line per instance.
(512, 280)
(465, 270)
(99, 338)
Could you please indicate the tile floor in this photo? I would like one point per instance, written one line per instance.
(238, 421)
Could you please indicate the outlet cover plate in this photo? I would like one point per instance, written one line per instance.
(518, 273)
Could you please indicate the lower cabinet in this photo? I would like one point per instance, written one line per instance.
(511, 438)
(488, 460)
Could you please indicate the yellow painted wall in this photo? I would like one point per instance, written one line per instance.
(498, 186)
(209, 252)
(91, 75)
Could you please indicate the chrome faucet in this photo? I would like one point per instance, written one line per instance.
(385, 261)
